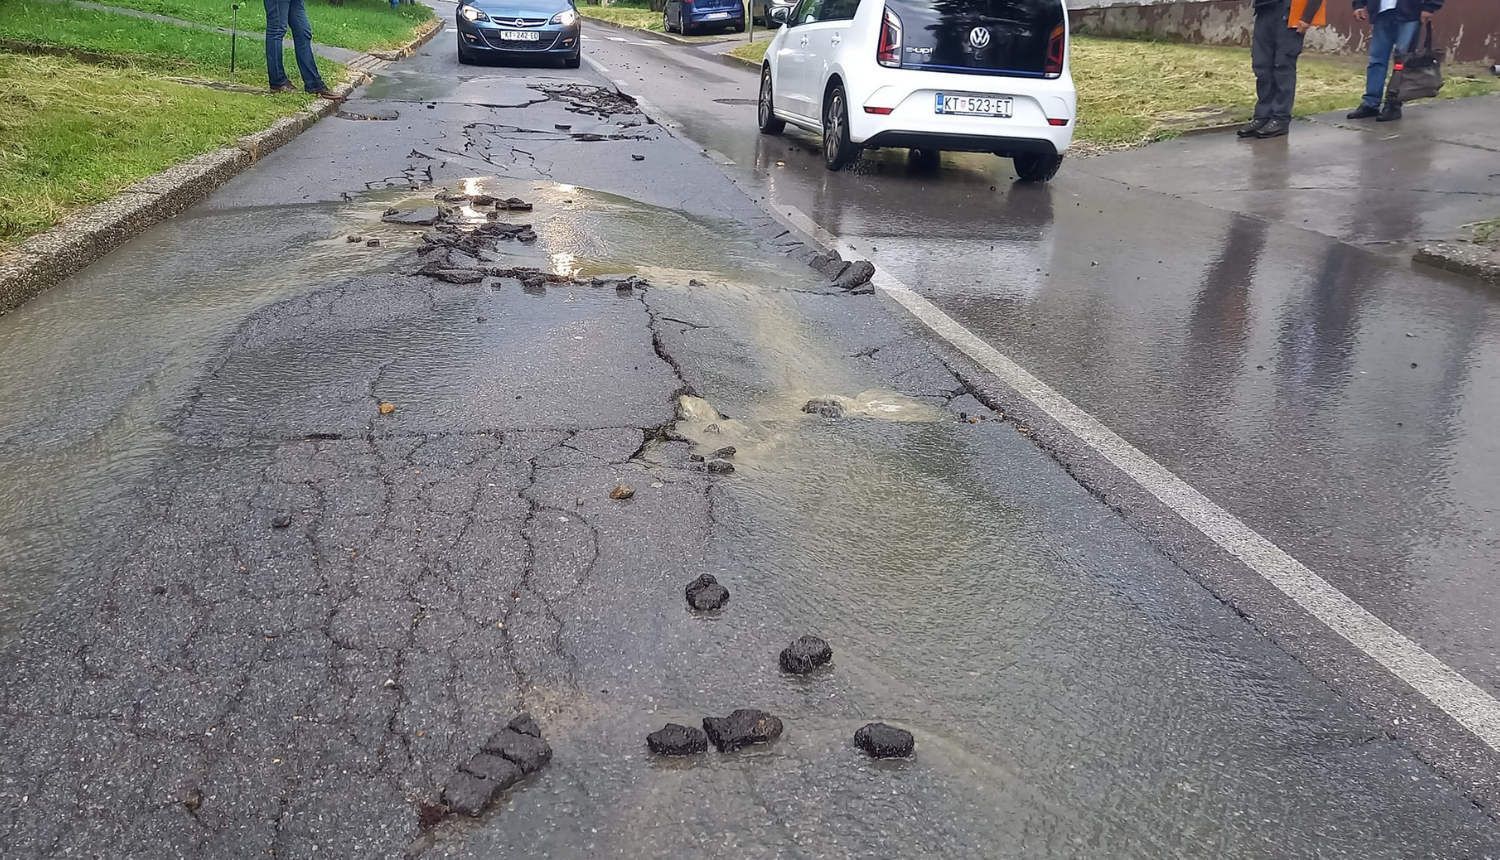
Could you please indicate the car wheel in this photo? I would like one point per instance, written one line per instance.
(464, 57)
(838, 150)
(1036, 167)
(765, 111)
(684, 26)
(740, 27)
(573, 62)
(666, 22)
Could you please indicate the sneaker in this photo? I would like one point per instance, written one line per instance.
(1274, 128)
(1363, 112)
(1389, 113)
(1255, 125)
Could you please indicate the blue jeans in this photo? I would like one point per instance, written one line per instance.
(1387, 33)
(281, 14)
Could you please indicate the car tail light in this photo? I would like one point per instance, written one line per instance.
(1051, 121)
(889, 52)
(880, 111)
(1056, 48)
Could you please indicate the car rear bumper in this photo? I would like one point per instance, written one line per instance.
(707, 19)
(911, 99)
(553, 40)
(1007, 146)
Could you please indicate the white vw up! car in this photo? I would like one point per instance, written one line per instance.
(929, 75)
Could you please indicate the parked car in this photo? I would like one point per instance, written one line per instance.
(519, 28)
(690, 17)
(760, 11)
(928, 75)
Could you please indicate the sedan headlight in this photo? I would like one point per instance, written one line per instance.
(472, 14)
(566, 18)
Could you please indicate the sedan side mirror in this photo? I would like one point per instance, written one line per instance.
(780, 14)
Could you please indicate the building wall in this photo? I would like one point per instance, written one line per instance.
(1468, 29)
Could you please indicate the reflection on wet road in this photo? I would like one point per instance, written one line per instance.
(1333, 398)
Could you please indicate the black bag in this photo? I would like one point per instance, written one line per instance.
(1418, 73)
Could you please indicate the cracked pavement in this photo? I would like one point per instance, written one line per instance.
(200, 682)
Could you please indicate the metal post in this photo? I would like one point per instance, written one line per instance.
(751, 15)
(234, 34)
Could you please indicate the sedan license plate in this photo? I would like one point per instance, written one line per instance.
(718, 16)
(520, 36)
(999, 106)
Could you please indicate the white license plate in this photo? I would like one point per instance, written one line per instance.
(974, 105)
(520, 36)
(718, 16)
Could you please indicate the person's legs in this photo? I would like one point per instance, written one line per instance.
(1383, 28)
(302, 46)
(275, 30)
(1263, 57)
(1405, 32)
(1288, 49)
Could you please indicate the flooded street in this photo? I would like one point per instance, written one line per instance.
(294, 526)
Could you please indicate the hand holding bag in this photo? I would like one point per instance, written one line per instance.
(1418, 73)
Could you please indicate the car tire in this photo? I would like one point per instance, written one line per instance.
(1036, 166)
(464, 57)
(838, 150)
(765, 111)
(740, 27)
(573, 62)
(666, 22)
(684, 27)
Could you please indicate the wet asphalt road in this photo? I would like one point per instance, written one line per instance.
(1074, 692)
(1245, 315)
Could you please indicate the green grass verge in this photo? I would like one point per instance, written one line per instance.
(1130, 91)
(358, 24)
(753, 52)
(72, 134)
(1486, 231)
(636, 15)
(145, 44)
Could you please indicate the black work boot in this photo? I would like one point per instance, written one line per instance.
(1364, 111)
(1390, 113)
(1255, 125)
(1274, 128)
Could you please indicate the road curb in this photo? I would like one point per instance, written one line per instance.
(43, 261)
(424, 35)
(1464, 258)
(732, 61)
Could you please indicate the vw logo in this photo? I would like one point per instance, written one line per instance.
(521, 22)
(979, 37)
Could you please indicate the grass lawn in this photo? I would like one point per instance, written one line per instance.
(1129, 92)
(358, 24)
(72, 134)
(144, 44)
(637, 15)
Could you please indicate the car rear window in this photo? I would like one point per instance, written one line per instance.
(981, 36)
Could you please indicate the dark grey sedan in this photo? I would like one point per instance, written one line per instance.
(518, 29)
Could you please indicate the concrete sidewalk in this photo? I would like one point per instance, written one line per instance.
(1392, 186)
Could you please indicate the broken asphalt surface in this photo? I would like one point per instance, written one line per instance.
(251, 614)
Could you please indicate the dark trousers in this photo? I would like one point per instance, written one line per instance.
(1273, 56)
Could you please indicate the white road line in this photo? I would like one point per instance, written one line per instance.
(1458, 697)
(616, 38)
(596, 65)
